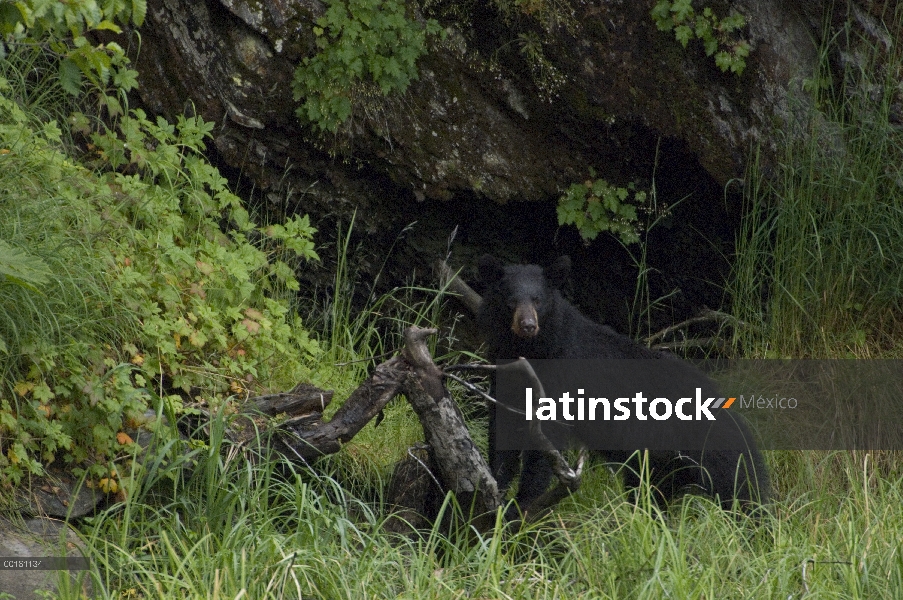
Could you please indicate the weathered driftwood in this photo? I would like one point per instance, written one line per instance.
(450, 281)
(304, 404)
(461, 467)
(303, 399)
(706, 315)
(310, 438)
(449, 462)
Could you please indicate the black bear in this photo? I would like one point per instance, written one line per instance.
(523, 314)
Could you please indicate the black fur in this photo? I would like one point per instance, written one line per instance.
(523, 314)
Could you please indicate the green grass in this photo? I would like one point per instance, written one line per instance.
(31, 75)
(46, 212)
(74, 304)
(358, 338)
(238, 526)
(817, 265)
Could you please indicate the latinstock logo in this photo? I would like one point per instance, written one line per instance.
(623, 408)
(625, 404)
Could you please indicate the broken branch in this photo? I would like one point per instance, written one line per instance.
(449, 280)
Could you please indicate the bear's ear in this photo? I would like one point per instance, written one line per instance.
(557, 273)
(490, 268)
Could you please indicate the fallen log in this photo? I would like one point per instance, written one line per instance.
(448, 462)
(304, 398)
(308, 439)
(461, 467)
(450, 281)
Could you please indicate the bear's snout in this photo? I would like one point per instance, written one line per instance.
(525, 323)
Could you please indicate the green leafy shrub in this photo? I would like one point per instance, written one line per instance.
(361, 42)
(719, 37)
(200, 290)
(157, 283)
(63, 27)
(596, 206)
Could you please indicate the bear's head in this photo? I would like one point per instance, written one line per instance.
(521, 294)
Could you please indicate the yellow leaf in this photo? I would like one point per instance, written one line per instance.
(197, 339)
(123, 438)
(23, 387)
(108, 485)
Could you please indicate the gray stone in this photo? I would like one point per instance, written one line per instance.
(38, 537)
(480, 119)
(57, 495)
